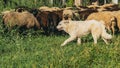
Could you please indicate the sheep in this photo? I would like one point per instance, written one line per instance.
(42, 18)
(49, 18)
(107, 17)
(67, 14)
(11, 19)
(53, 20)
(85, 13)
(45, 8)
(70, 14)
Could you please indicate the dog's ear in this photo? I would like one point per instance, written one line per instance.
(66, 21)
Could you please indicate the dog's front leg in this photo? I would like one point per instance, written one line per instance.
(68, 40)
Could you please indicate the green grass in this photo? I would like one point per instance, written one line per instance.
(40, 51)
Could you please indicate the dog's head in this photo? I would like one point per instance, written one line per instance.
(62, 25)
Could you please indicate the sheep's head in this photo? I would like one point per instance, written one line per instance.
(67, 14)
(21, 8)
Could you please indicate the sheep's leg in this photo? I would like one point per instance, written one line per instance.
(112, 27)
(113, 30)
(28, 26)
(68, 40)
(108, 28)
(78, 41)
(37, 25)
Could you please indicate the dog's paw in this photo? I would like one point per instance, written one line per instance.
(62, 44)
(78, 43)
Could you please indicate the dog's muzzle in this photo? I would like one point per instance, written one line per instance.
(59, 28)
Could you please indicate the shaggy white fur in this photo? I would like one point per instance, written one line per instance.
(77, 29)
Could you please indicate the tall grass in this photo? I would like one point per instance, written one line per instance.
(45, 51)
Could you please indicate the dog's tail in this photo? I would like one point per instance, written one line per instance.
(104, 33)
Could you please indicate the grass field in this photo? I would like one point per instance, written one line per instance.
(40, 51)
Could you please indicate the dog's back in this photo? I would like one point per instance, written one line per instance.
(96, 28)
(85, 27)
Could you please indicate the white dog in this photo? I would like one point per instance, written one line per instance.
(77, 29)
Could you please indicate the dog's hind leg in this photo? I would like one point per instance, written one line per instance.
(95, 34)
(79, 41)
(68, 40)
(105, 40)
(95, 37)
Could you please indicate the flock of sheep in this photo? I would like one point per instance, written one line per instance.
(47, 18)
(109, 13)
(42, 18)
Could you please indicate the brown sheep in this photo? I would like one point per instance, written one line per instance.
(85, 13)
(42, 18)
(49, 18)
(27, 19)
(55, 10)
(107, 17)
